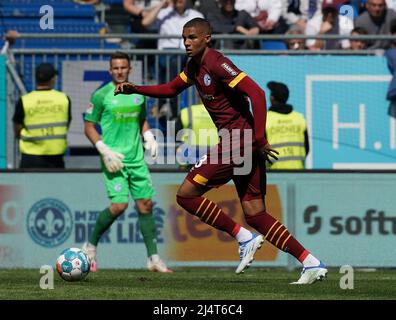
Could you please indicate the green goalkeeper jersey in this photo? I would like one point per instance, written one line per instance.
(120, 118)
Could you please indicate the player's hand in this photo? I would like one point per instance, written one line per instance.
(267, 152)
(150, 144)
(111, 159)
(125, 88)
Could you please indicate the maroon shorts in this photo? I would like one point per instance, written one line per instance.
(213, 174)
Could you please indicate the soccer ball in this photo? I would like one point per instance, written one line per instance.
(72, 264)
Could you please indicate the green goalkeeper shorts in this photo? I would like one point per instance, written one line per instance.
(131, 179)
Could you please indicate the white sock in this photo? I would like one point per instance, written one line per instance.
(154, 258)
(310, 261)
(243, 235)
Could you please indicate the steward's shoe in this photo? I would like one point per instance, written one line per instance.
(247, 250)
(90, 251)
(310, 275)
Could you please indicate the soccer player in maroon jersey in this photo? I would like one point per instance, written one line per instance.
(224, 90)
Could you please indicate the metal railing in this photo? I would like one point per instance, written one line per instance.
(15, 89)
(223, 37)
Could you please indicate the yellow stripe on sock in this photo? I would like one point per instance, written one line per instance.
(284, 242)
(276, 244)
(210, 202)
(215, 217)
(200, 206)
(271, 229)
(210, 214)
(276, 232)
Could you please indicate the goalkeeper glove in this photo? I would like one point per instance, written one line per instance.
(111, 159)
(150, 143)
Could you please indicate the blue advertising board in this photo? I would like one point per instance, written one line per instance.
(343, 100)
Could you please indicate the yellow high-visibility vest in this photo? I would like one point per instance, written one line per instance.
(203, 130)
(285, 133)
(45, 123)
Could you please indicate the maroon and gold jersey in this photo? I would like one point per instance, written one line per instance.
(215, 80)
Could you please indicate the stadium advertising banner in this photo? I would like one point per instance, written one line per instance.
(79, 80)
(343, 100)
(342, 218)
(347, 218)
(3, 116)
(44, 213)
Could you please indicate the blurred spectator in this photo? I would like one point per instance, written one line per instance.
(170, 21)
(295, 44)
(9, 39)
(328, 22)
(391, 4)
(138, 9)
(229, 20)
(41, 122)
(267, 13)
(334, 3)
(298, 12)
(358, 44)
(286, 130)
(359, 6)
(390, 56)
(376, 20)
(206, 6)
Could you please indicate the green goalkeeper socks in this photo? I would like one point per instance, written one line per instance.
(104, 222)
(149, 232)
(146, 224)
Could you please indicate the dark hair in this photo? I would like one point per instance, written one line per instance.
(359, 30)
(329, 10)
(120, 55)
(199, 23)
(45, 72)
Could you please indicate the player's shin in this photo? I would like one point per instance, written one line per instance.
(149, 232)
(208, 212)
(276, 233)
(103, 222)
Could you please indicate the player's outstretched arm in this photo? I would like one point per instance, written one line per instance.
(167, 90)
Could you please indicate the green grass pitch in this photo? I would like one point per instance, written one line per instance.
(196, 284)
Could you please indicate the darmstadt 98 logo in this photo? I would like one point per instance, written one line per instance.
(49, 222)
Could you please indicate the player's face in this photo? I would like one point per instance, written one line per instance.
(195, 41)
(119, 70)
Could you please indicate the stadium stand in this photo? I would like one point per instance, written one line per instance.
(69, 17)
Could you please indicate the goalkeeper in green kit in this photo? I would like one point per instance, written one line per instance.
(123, 121)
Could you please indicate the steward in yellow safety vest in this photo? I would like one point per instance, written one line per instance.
(202, 133)
(41, 121)
(286, 130)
